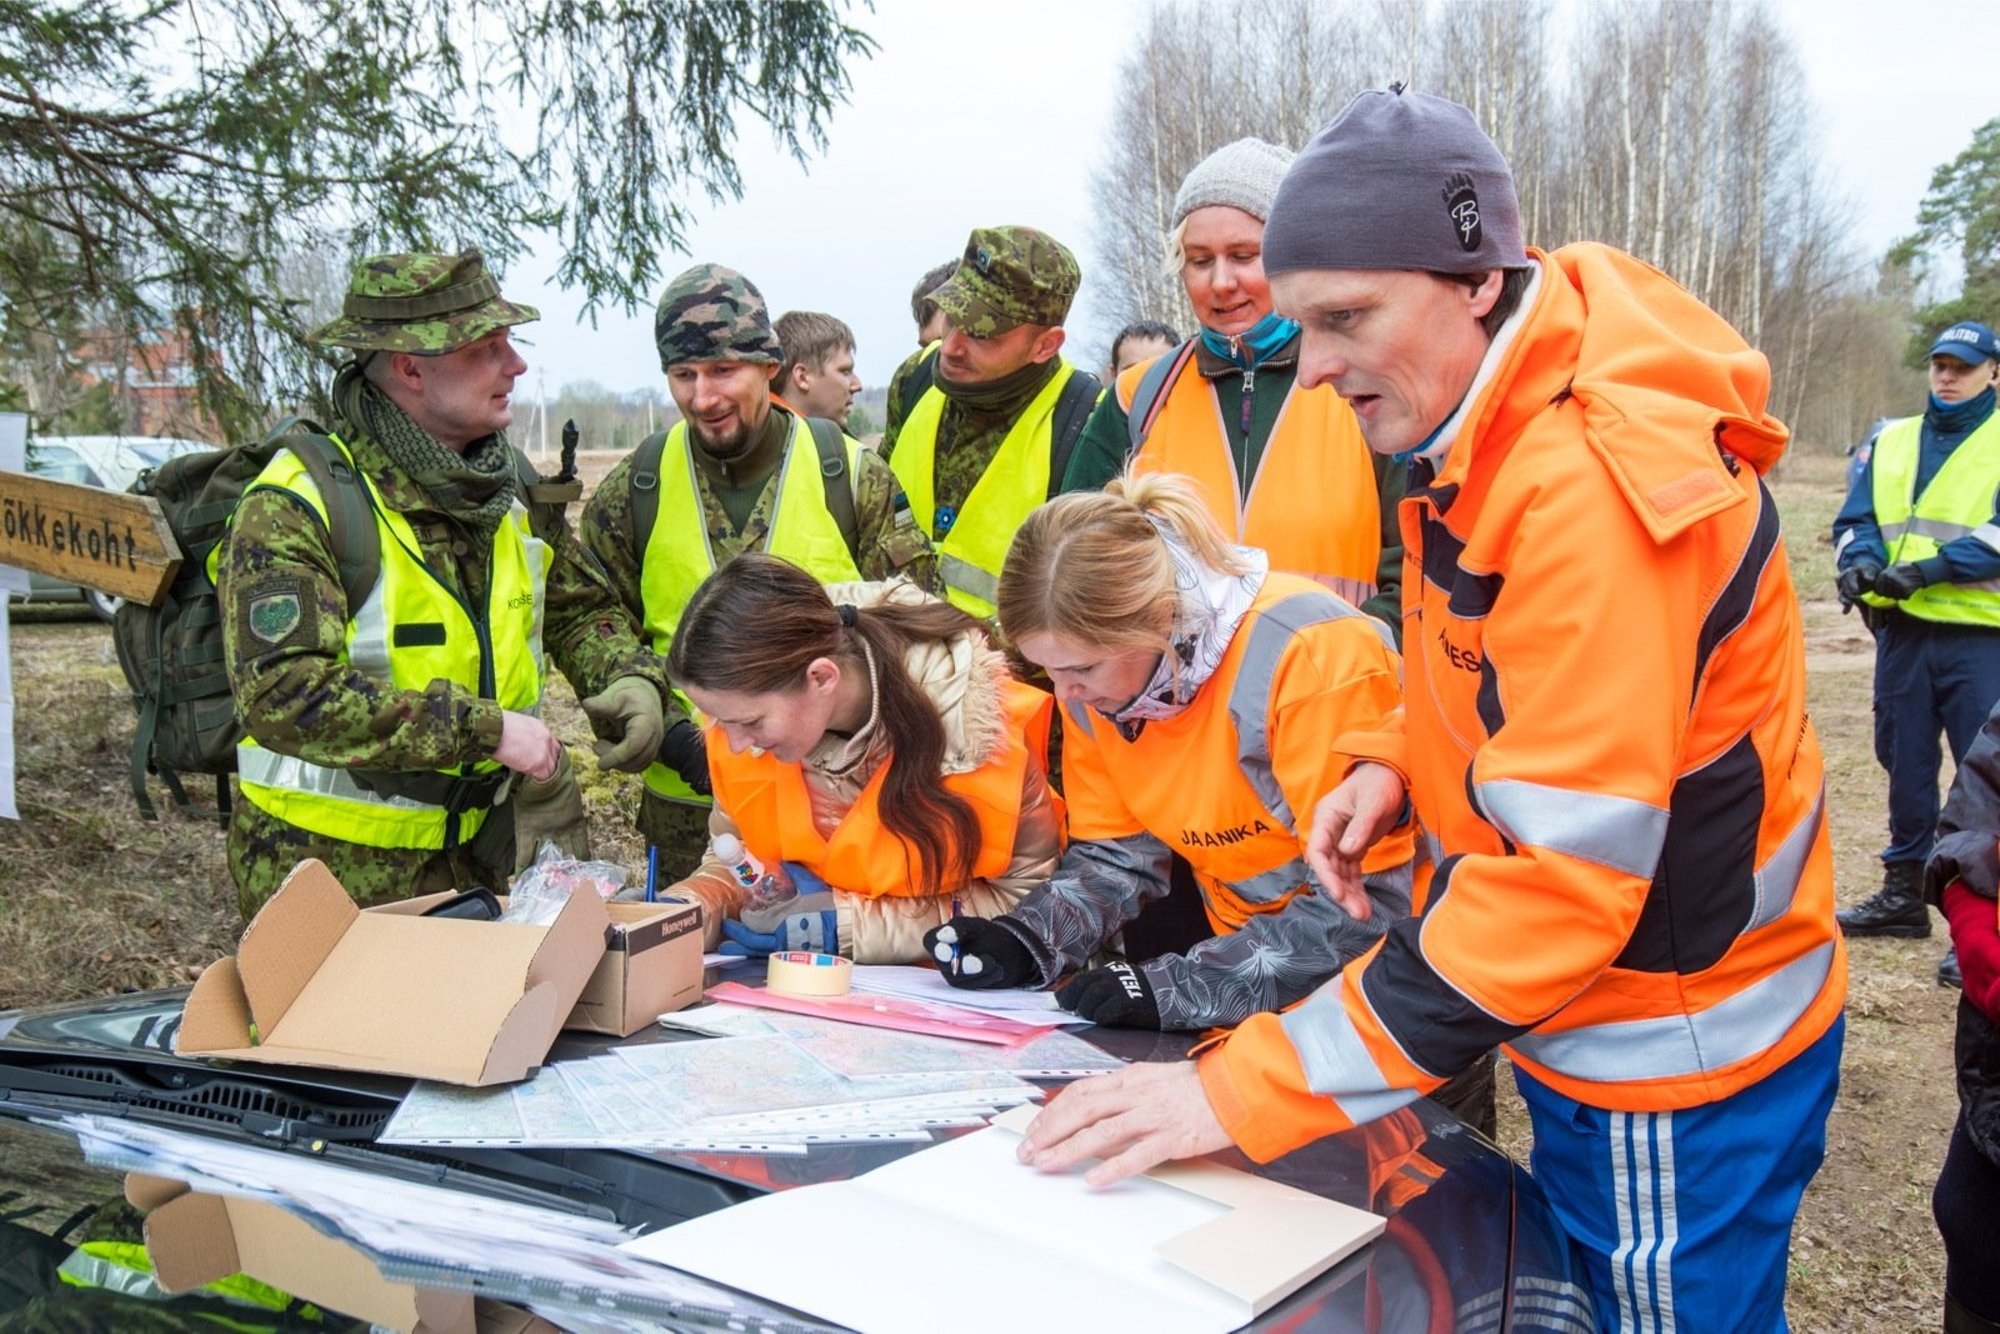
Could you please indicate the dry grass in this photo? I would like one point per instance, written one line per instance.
(93, 900)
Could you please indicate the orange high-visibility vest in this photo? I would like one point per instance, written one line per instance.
(1312, 505)
(767, 799)
(1228, 783)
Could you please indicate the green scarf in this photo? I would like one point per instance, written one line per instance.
(477, 488)
(1008, 394)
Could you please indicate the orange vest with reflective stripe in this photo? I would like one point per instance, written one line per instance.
(767, 799)
(1217, 782)
(1312, 506)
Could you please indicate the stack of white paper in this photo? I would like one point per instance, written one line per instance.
(923, 983)
(1202, 1249)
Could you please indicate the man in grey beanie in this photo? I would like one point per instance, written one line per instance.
(738, 473)
(1605, 743)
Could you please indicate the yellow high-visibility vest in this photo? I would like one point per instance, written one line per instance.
(412, 630)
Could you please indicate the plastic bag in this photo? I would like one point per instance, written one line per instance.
(538, 893)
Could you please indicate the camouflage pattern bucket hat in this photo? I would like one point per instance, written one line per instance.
(713, 313)
(1009, 276)
(423, 304)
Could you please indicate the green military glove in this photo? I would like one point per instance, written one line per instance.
(630, 723)
(550, 811)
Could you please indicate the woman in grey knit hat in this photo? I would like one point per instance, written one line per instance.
(1281, 468)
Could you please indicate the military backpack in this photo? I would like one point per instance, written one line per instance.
(172, 653)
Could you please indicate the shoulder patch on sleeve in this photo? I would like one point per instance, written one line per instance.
(276, 611)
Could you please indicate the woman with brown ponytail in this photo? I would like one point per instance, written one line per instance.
(877, 751)
(1201, 695)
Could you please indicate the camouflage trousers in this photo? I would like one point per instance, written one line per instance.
(263, 850)
(679, 829)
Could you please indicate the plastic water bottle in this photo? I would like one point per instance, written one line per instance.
(765, 889)
(729, 850)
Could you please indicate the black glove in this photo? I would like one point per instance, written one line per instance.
(981, 955)
(1899, 581)
(1117, 994)
(685, 751)
(1855, 580)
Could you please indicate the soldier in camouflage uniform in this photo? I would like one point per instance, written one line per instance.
(998, 373)
(421, 410)
(719, 479)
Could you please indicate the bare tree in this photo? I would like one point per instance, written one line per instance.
(1676, 129)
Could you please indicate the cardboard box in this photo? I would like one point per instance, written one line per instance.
(195, 1238)
(651, 964)
(316, 981)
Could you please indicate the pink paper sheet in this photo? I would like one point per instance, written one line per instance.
(942, 1021)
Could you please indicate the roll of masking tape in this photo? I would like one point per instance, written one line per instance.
(798, 973)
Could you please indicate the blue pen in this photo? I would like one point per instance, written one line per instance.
(954, 935)
(652, 871)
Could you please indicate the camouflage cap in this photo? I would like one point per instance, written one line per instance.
(714, 313)
(1009, 276)
(425, 304)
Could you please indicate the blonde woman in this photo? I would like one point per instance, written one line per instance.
(1201, 698)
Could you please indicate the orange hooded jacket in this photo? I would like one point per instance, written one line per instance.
(1605, 737)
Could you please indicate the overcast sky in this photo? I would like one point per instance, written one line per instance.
(981, 114)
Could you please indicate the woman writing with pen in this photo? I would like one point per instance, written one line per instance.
(878, 756)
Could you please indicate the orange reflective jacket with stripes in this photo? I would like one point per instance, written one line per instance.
(1229, 782)
(1312, 505)
(1605, 736)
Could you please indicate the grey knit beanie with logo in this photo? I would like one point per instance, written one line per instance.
(1242, 175)
(1398, 180)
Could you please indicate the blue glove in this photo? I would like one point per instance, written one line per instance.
(805, 923)
(804, 882)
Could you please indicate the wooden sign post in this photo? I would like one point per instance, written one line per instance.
(106, 540)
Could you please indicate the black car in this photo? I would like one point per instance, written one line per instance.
(1471, 1242)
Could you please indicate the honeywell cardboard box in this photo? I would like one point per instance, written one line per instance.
(651, 964)
(316, 981)
(196, 1238)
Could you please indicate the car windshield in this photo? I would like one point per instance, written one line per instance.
(154, 453)
(59, 463)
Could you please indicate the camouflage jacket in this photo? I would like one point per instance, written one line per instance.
(891, 544)
(299, 696)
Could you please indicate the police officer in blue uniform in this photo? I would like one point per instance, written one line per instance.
(1917, 545)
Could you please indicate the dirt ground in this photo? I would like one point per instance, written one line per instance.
(94, 900)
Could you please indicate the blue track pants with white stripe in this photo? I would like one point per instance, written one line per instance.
(1684, 1219)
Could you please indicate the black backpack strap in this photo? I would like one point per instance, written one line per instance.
(1074, 403)
(831, 443)
(149, 701)
(350, 518)
(644, 510)
(1151, 395)
(921, 379)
